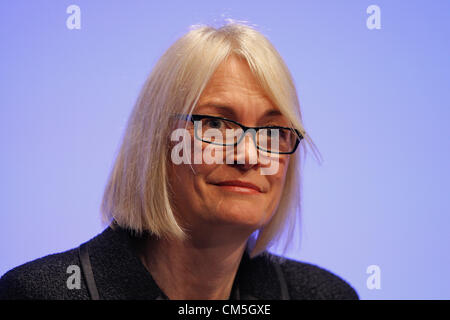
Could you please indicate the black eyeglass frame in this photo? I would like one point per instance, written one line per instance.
(198, 117)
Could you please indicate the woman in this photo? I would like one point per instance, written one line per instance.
(206, 177)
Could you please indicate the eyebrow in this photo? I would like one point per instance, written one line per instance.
(227, 110)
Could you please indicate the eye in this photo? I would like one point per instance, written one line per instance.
(279, 133)
(284, 133)
(213, 123)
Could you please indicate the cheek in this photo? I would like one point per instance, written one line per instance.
(277, 182)
(188, 182)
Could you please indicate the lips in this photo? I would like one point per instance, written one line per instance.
(237, 183)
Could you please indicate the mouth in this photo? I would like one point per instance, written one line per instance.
(239, 186)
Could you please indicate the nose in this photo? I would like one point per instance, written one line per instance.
(246, 153)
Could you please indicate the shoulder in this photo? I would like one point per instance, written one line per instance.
(309, 281)
(43, 278)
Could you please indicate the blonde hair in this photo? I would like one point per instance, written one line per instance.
(137, 194)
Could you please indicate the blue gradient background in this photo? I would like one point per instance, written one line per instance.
(376, 103)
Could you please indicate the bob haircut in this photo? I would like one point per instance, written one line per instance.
(137, 194)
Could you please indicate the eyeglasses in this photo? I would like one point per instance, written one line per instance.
(271, 139)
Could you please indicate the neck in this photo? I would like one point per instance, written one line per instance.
(201, 267)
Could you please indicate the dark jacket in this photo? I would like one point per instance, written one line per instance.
(119, 274)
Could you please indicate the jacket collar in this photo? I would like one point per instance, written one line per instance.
(120, 274)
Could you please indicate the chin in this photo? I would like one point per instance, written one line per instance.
(247, 215)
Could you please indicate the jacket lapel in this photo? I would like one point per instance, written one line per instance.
(119, 273)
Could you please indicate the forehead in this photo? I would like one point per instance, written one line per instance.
(234, 85)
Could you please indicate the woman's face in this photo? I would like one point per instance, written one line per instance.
(207, 194)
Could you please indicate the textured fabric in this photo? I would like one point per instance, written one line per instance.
(119, 274)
